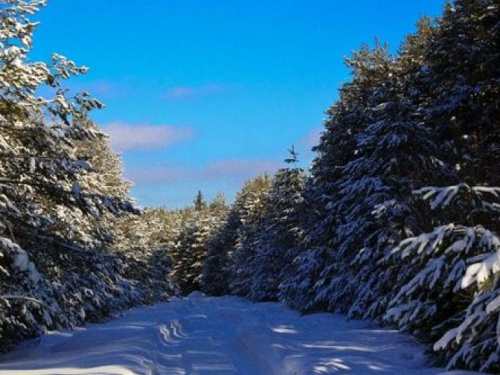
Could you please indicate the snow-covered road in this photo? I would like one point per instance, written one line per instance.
(221, 336)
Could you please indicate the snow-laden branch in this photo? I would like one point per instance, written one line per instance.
(24, 298)
(483, 196)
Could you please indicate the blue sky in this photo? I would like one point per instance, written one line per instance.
(201, 95)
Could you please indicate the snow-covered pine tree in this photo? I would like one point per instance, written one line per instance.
(275, 247)
(188, 250)
(215, 275)
(146, 243)
(356, 186)
(462, 72)
(311, 252)
(191, 248)
(48, 279)
(451, 275)
(337, 146)
(251, 206)
(199, 202)
(105, 178)
(399, 149)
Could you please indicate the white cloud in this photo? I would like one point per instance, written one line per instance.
(104, 88)
(235, 170)
(125, 137)
(240, 168)
(311, 139)
(186, 92)
(153, 175)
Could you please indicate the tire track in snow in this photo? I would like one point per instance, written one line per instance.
(221, 336)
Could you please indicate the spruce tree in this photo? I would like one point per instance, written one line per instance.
(251, 205)
(191, 248)
(54, 272)
(452, 273)
(280, 233)
(199, 202)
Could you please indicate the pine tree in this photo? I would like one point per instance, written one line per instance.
(251, 205)
(191, 248)
(462, 70)
(146, 243)
(53, 272)
(216, 272)
(440, 287)
(199, 202)
(279, 234)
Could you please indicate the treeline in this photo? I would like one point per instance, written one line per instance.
(66, 256)
(398, 218)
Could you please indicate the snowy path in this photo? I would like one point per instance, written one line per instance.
(221, 336)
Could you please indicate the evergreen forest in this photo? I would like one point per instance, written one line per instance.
(397, 220)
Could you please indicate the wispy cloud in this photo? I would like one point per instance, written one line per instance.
(154, 175)
(239, 168)
(187, 92)
(104, 88)
(125, 137)
(235, 170)
(311, 139)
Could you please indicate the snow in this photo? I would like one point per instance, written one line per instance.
(446, 339)
(494, 306)
(225, 335)
(480, 272)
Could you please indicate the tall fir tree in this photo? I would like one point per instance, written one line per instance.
(280, 233)
(56, 199)
(251, 205)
